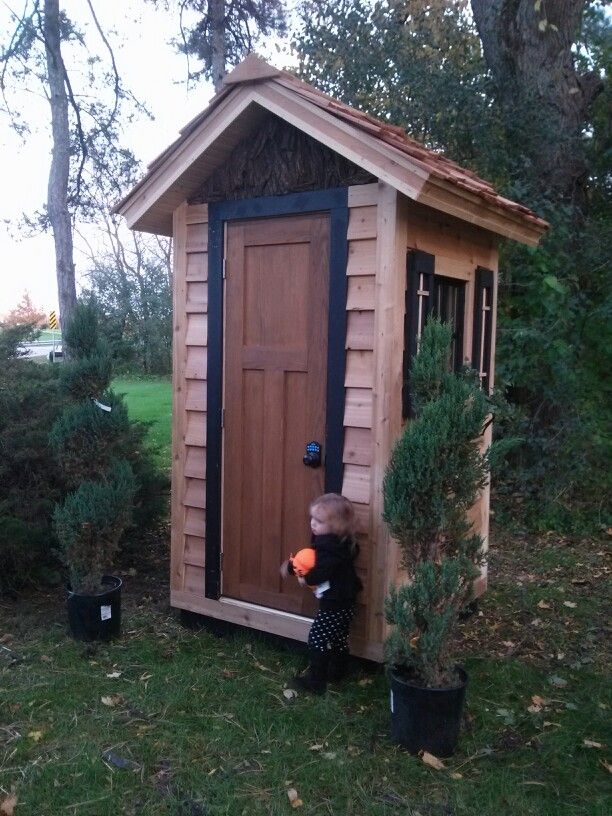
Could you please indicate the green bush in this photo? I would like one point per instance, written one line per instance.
(87, 378)
(433, 477)
(30, 401)
(85, 426)
(90, 523)
(96, 444)
(24, 553)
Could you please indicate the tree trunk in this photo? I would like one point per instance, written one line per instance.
(57, 191)
(545, 102)
(217, 36)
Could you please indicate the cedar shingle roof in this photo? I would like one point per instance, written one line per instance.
(428, 163)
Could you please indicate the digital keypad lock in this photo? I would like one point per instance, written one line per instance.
(312, 455)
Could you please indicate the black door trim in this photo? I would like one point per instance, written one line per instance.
(335, 202)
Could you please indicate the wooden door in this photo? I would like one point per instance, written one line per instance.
(275, 377)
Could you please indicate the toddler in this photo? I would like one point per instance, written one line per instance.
(333, 577)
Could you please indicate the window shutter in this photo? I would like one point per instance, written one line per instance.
(419, 303)
(483, 326)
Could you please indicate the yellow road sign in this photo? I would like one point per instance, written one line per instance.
(53, 321)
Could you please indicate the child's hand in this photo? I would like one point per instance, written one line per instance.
(301, 581)
(284, 569)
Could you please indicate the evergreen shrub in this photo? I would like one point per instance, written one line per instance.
(433, 478)
(90, 443)
(90, 523)
(30, 479)
(86, 427)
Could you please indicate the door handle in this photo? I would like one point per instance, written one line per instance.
(312, 455)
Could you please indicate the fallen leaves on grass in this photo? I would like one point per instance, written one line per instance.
(114, 675)
(111, 700)
(294, 799)
(591, 744)
(228, 674)
(431, 760)
(35, 736)
(507, 716)
(162, 778)
(10, 656)
(537, 704)
(456, 775)
(289, 694)
(570, 604)
(558, 682)
(606, 765)
(543, 605)
(7, 806)
(119, 762)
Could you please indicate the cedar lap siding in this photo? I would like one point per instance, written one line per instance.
(404, 233)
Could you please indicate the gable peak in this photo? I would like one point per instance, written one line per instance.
(251, 69)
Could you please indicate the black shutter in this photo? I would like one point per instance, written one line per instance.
(419, 278)
(483, 325)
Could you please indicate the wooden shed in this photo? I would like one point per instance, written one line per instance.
(311, 241)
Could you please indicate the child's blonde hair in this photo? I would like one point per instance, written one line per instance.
(339, 513)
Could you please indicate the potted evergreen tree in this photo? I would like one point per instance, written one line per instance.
(433, 477)
(91, 440)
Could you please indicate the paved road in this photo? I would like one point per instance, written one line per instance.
(40, 349)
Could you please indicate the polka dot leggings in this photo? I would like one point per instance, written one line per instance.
(329, 630)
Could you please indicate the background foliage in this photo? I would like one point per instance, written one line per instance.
(130, 280)
(421, 65)
(30, 401)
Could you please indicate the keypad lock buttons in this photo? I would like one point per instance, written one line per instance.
(312, 455)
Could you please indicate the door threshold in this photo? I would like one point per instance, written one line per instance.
(246, 605)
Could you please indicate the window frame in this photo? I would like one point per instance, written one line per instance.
(482, 334)
(422, 287)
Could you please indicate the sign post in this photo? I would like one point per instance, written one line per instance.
(54, 326)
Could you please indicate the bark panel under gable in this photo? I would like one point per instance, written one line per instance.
(277, 159)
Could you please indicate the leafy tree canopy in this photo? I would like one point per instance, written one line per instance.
(25, 312)
(519, 91)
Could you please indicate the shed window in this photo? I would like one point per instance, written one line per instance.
(427, 293)
(449, 305)
(483, 326)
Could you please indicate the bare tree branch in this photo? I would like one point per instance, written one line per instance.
(117, 89)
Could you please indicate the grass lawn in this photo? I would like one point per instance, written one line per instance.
(172, 722)
(49, 334)
(149, 399)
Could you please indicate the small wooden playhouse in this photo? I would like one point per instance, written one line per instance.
(311, 241)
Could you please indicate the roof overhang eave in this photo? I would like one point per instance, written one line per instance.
(149, 205)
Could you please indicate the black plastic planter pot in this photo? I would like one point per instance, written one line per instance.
(426, 719)
(96, 617)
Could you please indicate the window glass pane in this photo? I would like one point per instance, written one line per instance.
(448, 305)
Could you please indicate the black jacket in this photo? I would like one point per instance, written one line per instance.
(334, 562)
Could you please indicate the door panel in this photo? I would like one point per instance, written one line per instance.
(277, 285)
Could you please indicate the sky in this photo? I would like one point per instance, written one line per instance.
(151, 69)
